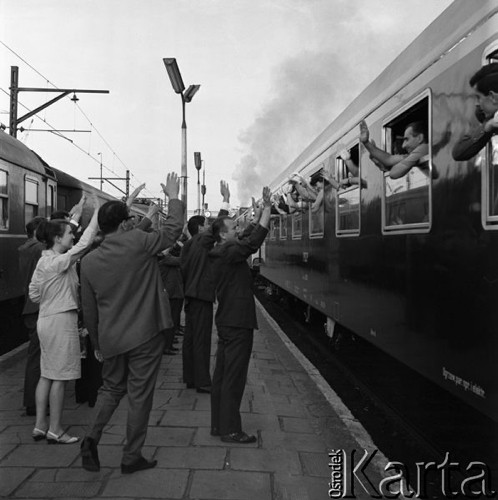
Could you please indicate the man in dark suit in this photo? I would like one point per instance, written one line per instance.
(29, 254)
(235, 319)
(126, 311)
(199, 298)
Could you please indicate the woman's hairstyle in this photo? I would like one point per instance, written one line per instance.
(48, 230)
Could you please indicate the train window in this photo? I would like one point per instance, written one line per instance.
(407, 189)
(274, 226)
(489, 189)
(297, 226)
(30, 199)
(283, 227)
(4, 200)
(348, 194)
(490, 185)
(317, 208)
(51, 206)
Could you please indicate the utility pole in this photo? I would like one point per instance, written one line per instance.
(14, 121)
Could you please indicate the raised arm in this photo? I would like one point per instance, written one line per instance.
(157, 241)
(386, 159)
(133, 195)
(225, 193)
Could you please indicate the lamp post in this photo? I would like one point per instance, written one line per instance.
(186, 95)
(101, 177)
(203, 187)
(198, 166)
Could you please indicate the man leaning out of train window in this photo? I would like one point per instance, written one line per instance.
(398, 165)
(484, 84)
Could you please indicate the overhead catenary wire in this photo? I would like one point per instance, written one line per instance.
(97, 160)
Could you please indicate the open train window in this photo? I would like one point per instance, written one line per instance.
(30, 198)
(348, 193)
(283, 227)
(407, 189)
(317, 207)
(297, 225)
(4, 200)
(489, 189)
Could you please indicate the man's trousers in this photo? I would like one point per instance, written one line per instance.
(196, 351)
(133, 373)
(32, 372)
(229, 378)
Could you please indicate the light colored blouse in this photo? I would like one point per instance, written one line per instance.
(55, 282)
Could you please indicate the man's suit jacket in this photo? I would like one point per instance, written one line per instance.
(198, 278)
(234, 280)
(124, 300)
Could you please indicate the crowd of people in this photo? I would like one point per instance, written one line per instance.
(116, 297)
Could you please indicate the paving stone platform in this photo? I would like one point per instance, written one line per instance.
(296, 423)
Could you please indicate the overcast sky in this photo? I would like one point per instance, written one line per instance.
(273, 75)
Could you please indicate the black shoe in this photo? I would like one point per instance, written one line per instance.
(190, 386)
(238, 437)
(89, 455)
(204, 390)
(215, 431)
(140, 464)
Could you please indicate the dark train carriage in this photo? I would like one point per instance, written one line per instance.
(409, 263)
(27, 189)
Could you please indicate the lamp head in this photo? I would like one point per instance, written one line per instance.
(190, 92)
(174, 74)
(197, 160)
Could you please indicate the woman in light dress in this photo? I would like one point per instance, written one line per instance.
(55, 286)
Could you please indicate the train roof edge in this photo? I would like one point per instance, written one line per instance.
(14, 151)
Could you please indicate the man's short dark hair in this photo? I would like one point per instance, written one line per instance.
(418, 128)
(111, 214)
(194, 222)
(32, 225)
(486, 79)
(60, 214)
(219, 226)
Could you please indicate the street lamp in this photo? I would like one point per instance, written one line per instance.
(198, 166)
(186, 95)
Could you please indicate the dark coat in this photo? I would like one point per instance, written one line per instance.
(29, 255)
(236, 307)
(169, 267)
(196, 267)
(124, 300)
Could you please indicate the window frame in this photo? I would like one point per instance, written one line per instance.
(33, 180)
(283, 224)
(7, 198)
(418, 227)
(318, 235)
(489, 221)
(340, 165)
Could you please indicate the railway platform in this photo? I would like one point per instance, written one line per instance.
(298, 420)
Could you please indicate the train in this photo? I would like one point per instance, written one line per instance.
(30, 187)
(409, 264)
